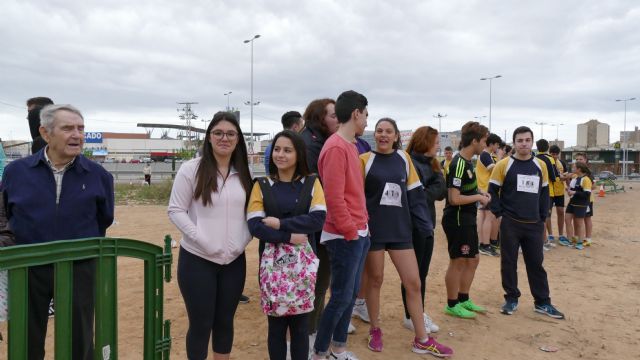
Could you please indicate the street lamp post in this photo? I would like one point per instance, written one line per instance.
(490, 78)
(557, 125)
(542, 124)
(440, 116)
(251, 101)
(227, 94)
(626, 140)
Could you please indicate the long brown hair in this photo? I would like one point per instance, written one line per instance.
(315, 113)
(301, 155)
(423, 140)
(207, 174)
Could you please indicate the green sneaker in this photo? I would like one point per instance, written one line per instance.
(469, 305)
(459, 311)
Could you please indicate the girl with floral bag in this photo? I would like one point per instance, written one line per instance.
(284, 211)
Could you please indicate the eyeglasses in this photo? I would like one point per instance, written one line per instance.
(219, 134)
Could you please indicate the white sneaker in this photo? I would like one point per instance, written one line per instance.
(408, 324)
(360, 310)
(347, 355)
(429, 324)
(351, 330)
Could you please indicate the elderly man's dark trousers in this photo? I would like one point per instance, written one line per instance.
(41, 289)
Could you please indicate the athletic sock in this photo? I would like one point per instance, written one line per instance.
(463, 297)
(359, 301)
(493, 242)
(451, 303)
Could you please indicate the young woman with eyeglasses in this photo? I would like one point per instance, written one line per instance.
(207, 205)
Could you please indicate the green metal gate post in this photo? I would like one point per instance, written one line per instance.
(157, 267)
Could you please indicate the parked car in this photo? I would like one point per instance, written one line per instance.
(135, 161)
(604, 175)
(634, 176)
(146, 160)
(109, 160)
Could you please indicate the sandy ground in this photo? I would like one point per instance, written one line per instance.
(597, 288)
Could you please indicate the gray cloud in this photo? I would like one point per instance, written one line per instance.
(124, 62)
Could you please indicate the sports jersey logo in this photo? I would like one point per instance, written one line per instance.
(457, 181)
(465, 249)
(470, 174)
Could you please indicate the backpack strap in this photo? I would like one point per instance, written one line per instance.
(304, 201)
(268, 200)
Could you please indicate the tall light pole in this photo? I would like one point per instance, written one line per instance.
(626, 140)
(251, 101)
(542, 124)
(490, 78)
(440, 116)
(557, 125)
(227, 94)
(479, 118)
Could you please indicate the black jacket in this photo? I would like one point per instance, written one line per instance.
(314, 140)
(433, 182)
(34, 127)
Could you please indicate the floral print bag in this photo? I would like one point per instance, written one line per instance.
(287, 272)
(287, 279)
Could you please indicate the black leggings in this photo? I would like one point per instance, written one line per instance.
(322, 285)
(423, 248)
(211, 293)
(277, 340)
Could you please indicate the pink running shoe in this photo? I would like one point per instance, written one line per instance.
(431, 346)
(375, 340)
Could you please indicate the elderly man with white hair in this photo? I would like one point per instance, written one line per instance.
(58, 194)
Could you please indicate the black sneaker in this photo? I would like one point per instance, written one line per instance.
(244, 299)
(549, 310)
(486, 249)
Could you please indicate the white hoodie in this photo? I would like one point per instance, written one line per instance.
(217, 232)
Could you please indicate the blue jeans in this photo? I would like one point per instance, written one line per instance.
(347, 261)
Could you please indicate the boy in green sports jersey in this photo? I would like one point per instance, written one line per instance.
(459, 222)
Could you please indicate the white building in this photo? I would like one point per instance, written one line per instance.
(128, 146)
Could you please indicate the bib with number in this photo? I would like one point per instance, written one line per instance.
(392, 195)
(528, 183)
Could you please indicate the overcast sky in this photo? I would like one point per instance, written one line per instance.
(124, 62)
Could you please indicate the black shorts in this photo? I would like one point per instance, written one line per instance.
(590, 210)
(558, 201)
(462, 240)
(377, 246)
(578, 211)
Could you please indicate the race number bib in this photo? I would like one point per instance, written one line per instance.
(392, 195)
(528, 183)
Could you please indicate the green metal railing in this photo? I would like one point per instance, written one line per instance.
(157, 265)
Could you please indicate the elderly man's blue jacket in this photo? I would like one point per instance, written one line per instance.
(85, 208)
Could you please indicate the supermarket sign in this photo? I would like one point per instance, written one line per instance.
(93, 137)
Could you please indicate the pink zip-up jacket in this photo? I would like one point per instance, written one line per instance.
(217, 232)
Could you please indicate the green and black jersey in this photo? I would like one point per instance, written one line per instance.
(461, 175)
